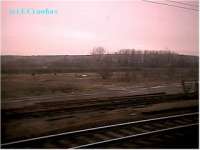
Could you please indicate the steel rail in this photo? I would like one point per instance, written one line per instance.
(95, 128)
(132, 136)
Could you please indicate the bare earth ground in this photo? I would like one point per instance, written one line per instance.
(35, 92)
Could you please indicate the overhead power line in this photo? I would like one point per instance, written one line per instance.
(182, 3)
(170, 5)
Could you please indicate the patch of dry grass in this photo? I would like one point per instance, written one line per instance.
(20, 85)
(28, 85)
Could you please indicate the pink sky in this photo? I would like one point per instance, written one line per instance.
(81, 25)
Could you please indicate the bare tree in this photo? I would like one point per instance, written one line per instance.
(98, 51)
(102, 62)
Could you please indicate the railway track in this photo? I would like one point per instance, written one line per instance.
(110, 135)
(54, 108)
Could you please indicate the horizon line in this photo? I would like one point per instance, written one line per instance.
(79, 55)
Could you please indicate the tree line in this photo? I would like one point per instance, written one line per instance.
(98, 60)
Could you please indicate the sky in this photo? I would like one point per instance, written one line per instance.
(79, 26)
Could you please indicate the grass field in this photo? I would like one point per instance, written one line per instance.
(22, 85)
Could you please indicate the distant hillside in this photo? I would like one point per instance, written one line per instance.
(76, 63)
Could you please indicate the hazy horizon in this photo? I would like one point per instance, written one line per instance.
(82, 54)
(81, 25)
